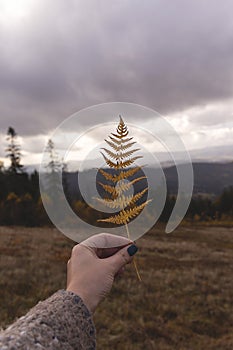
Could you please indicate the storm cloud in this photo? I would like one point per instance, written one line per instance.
(64, 55)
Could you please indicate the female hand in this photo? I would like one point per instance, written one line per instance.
(93, 265)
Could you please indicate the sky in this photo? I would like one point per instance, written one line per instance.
(60, 56)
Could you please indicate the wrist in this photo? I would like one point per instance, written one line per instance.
(91, 306)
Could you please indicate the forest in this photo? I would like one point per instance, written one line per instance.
(21, 204)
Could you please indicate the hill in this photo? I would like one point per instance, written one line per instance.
(209, 178)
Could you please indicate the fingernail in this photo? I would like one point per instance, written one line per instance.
(132, 250)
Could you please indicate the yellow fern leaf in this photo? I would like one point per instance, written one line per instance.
(120, 146)
(122, 175)
(112, 144)
(127, 162)
(113, 204)
(119, 142)
(108, 188)
(123, 187)
(125, 174)
(127, 140)
(125, 215)
(122, 128)
(109, 162)
(120, 202)
(107, 175)
(123, 147)
(121, 135)
(129, 153)
(137, 196)
(111, 154)
(120, 155)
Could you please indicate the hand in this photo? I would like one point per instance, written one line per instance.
(94, 264)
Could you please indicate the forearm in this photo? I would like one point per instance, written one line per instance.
(60, 322)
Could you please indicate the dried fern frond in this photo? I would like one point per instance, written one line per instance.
(118, 203)
(118, 158)
(120, 146)
(107, 175)
(120, 155)
(126, 215)
(108, 188)
(125, 186)
(119, 142)
(124, 174)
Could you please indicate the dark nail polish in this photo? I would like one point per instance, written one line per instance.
(132, 250)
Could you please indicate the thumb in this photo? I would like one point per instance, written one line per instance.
(122, 257)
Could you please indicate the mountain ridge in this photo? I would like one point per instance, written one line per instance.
(209, 178)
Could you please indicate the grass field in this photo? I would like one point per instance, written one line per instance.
(184, 302)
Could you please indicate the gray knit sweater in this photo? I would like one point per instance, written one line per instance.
(60, 322)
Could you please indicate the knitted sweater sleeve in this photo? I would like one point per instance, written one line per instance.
(60, 322)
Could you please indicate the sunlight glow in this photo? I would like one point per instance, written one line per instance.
(14, 10)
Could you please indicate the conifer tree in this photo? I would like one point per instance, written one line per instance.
(13, 152)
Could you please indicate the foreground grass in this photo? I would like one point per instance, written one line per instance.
(184, 302)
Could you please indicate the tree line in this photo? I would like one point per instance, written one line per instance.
(21, 204)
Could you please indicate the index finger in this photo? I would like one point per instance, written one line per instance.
(107, 252)
(106, 241)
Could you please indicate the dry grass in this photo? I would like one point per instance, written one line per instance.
(184, 302)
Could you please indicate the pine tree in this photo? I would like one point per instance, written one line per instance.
(13, 152)
(54, 165)
(53, 181)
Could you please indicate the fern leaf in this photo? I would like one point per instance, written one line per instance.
(111, 154)
(118, 203)
(112, 144)
(120, 155)
(121, 135)
(119, 142)
(113, 204)
(120, 146)
(122, 128)
(109, 162)
(129, 153)
(137, 196)
(118, 159)
(127, 140)
(127, 162)
(108, 188)
(125, 174)
(123, 187)
(107, 175)
(126, 146)
(125, 215)
(121, 164)
(123, 201)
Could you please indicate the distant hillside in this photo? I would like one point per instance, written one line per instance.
(209, 178)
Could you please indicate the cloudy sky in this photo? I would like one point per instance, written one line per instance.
(59, 56)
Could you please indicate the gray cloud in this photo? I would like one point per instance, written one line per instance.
(67, 55)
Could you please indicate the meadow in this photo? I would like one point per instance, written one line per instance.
(185, 300)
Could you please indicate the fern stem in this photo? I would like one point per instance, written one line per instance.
(134, 261)
(137, 271)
